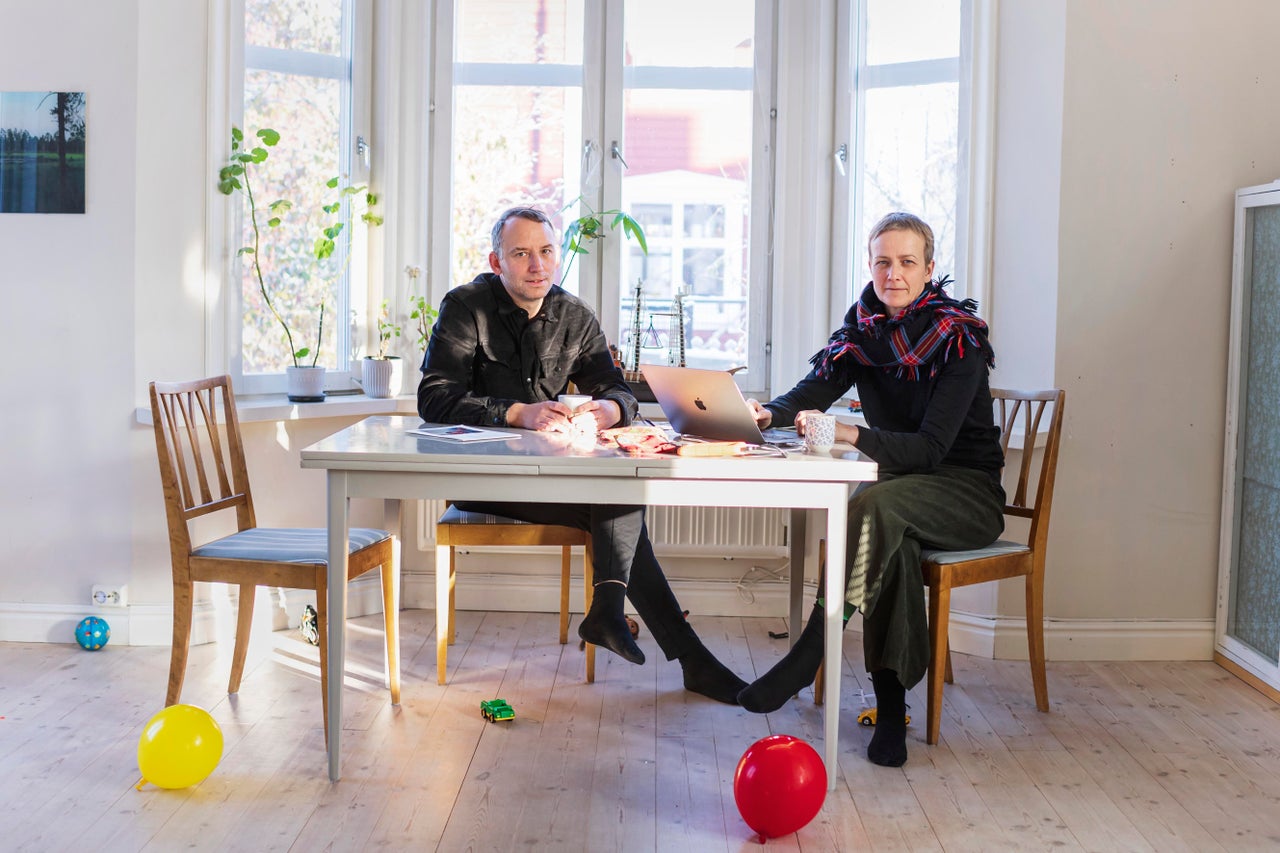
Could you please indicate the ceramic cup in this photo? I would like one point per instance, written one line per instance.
(573, 401)
(819, 432)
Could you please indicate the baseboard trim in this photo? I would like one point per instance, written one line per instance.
(1005, 638)
(152, 624)
(975, 634)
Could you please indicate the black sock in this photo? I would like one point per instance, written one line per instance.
(797, 668)
(705, 675)
(888, 746)
(605, 625)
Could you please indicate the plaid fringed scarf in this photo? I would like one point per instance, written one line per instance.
(924, 335)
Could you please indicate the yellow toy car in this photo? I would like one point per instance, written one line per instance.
(868, 717)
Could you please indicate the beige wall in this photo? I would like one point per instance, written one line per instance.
(1168, 108)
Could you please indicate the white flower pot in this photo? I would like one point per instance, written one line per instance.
(305, 384)
(378, 376)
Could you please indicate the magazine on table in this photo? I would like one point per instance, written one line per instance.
(458, 432)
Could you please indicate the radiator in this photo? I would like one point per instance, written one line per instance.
(681, 531)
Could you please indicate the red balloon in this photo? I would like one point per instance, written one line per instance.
(779, 785)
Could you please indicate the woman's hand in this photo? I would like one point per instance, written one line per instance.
(763, 416)
(845, 433)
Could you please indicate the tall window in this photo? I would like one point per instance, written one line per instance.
(906, 121)
(580, 106)
(298, 71)
(688, 130)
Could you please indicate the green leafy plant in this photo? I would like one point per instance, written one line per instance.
(238, 176)
(591, 226)
(386, 330)
(425, 316)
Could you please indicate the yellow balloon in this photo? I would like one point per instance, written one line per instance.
(179, 747)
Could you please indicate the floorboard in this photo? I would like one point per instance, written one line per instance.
(1145, 756)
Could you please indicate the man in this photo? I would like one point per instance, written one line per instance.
(504, 348)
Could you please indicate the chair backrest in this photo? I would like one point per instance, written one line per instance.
(1023, 412)
(202, 466)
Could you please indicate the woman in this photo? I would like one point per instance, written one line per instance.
(920, 362)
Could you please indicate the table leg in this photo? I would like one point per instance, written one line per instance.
(832, 653)
(337, 615)
(797, 539)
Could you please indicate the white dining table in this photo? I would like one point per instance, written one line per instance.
(379, 457)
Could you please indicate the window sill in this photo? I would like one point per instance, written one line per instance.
(276, 407)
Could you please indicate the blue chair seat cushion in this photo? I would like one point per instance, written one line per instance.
(998, 548)
(285, 544)
(453, 515)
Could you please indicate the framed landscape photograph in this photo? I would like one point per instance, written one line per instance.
(42, 152)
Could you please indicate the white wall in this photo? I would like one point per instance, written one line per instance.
(68, 319)
(1123, 128)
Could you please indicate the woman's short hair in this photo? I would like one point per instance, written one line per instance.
(530, 213)
(899, 221)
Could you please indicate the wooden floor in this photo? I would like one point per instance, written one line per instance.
(1133, 756)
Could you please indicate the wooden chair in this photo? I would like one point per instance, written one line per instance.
(1032, 498)
(459, 529)
(946, 570)
(202, 470)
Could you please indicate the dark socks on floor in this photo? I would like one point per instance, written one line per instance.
(705, 675)
(797, 669)
(606, 626)
(888, 746)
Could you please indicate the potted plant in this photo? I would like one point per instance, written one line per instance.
(589, 227)
(579, 234)
(305, 379)
(380, 373)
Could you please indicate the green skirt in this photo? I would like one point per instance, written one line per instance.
(889, 522)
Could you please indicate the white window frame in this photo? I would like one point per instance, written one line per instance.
(228, 59)
(602, 121)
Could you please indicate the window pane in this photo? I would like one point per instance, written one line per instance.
(674, 33)
(519, 31)
(305, 110)
(910, 30)
(517, 132)
(910, 151)
(688, 153)
(513, 145)
(307, 25)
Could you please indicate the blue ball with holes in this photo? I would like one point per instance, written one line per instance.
(92, 633)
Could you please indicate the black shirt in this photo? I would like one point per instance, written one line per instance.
(915, 425)
(486, 353)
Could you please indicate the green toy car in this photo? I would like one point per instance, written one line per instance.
(497, 710)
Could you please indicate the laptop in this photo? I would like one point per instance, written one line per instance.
(708, 404)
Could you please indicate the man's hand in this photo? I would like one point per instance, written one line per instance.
(763, 416)
(554, 416)
(550, 416)
(604, 413)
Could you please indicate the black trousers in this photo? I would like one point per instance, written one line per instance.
(889, 522)
(620, 550)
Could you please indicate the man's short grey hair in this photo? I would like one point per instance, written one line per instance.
(530, 213)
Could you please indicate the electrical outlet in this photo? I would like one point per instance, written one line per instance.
(109, 595)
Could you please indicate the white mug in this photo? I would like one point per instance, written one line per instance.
(819, 431)
(573, 401)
